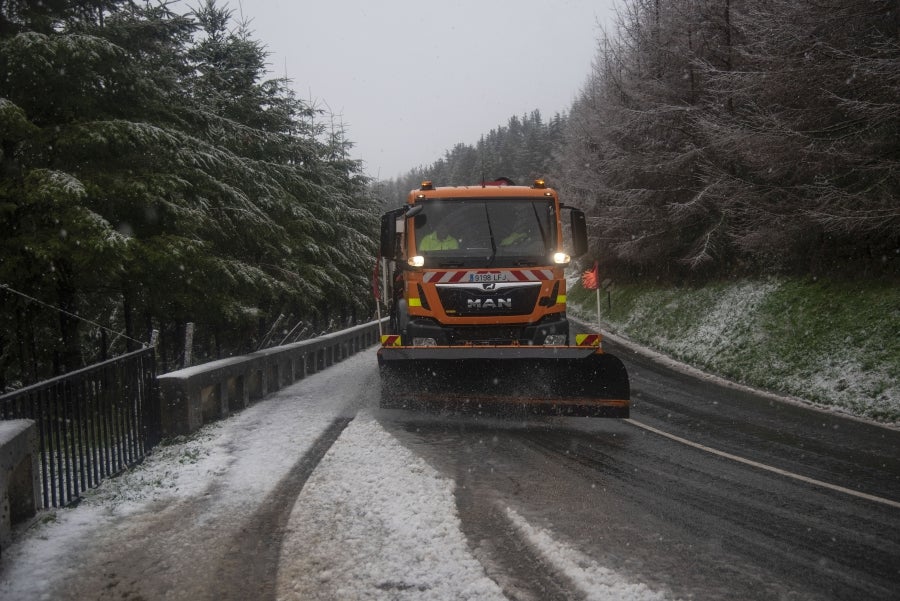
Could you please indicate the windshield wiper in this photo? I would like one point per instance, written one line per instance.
(539, 223)
(487, 216)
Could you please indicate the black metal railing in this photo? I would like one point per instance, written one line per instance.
(92, 423)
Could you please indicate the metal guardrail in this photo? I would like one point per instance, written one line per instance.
(203, 393)
(96, 422)
(92, 423)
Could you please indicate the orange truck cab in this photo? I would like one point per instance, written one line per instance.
(476, 265)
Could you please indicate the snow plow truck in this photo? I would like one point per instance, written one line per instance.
(473, 279)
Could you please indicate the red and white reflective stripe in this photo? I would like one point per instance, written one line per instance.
(464, 277)
(446, 277)
(532, 275)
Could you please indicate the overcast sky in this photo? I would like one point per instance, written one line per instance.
(409, 79)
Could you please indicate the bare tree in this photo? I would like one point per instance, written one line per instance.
(730, 135)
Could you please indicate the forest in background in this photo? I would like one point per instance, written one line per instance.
(153, 176)
(722, 138)
(522, 150)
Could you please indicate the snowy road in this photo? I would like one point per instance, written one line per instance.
(314, 493)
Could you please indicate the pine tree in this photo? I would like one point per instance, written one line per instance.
(154, 177)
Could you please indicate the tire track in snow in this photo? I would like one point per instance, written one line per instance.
(497, 543)
(377, 522)
(593, 581)
(249, 569)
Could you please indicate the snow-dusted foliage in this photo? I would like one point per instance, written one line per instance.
(741, 135)
(819, 341)
(521, 150)
(152, 177)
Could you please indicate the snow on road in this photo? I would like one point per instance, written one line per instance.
(374, 521)
(593, 580)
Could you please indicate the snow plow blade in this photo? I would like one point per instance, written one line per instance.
(569, 381)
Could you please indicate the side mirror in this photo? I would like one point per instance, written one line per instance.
(388, 247)
(579, 233)
(389, 230)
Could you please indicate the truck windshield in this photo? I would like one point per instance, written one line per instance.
(485, 232)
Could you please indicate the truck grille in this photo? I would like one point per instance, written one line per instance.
(488, 335)
(479, 301)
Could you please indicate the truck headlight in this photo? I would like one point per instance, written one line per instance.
(417, 261)
(561, 258)
(555, 340)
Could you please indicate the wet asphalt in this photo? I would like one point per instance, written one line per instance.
(688, 523)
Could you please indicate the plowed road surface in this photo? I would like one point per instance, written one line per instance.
(708, 492)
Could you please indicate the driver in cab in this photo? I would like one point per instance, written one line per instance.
(524, 237)
(439, 239)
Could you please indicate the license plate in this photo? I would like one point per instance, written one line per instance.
(487, 277)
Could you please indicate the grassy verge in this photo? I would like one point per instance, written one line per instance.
(835, 344)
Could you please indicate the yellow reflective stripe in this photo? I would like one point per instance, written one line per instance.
(390, 340)
(561, 299)
(415, 302)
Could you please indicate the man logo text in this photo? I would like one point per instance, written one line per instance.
(489, 303)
